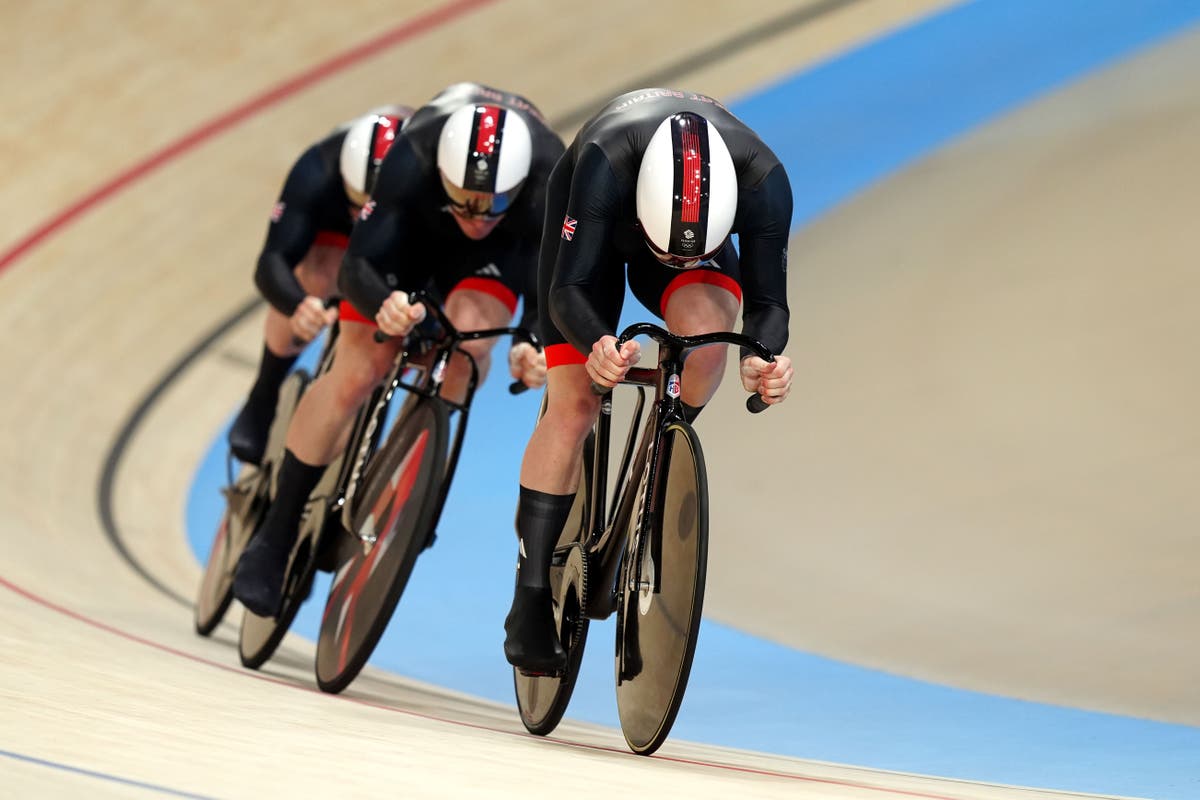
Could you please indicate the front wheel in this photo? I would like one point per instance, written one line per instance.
(245, 504)
(259, 637)
(397, 508)
(216, 587)
(657, 628)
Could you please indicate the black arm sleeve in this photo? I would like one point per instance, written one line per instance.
(372, 245)
(534, 214)
(529, 289)
(594, 204)
(291, 233)
(764, 221)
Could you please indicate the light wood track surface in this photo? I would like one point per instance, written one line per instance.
(98, 669)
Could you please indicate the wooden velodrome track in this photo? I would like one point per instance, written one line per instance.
(1054, 405)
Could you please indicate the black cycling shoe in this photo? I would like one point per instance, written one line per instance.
(248, 436)
(258, 579)
(531, 640)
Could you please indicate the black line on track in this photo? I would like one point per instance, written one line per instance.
(719, 51)
(715, 53)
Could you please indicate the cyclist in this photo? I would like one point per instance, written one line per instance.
(460, 203)
(297, 269)
(655, 182)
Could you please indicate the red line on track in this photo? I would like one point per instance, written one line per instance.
(133, 637)
(189, 141)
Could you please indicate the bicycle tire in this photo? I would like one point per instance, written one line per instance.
(542, 700)
(259, 637)
(402, 484)
(657, 632)
(245, 506)
(216, 584)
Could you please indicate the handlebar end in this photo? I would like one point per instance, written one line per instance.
(755, 404)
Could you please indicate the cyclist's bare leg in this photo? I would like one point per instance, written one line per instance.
(326, 411)
(317, 430)
(553, 456)
(471, 309)
(694, 309)
(549, 480)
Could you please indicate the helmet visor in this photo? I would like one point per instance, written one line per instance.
(478, 205)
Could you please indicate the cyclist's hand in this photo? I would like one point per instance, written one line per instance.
(527, 364)
(309, 318)
(606, 365)
(772, 381)
(396, 317)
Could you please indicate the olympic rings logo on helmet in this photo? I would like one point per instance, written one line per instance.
(483, 157)
(686, 191)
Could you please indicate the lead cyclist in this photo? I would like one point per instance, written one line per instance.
(652, 187)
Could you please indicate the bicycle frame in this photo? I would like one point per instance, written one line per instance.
(605, 535)
(442, 342)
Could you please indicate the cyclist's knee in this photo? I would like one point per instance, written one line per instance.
(700, 308)
(479, 349)
(706, 360)
(357, 370)
(572, 410)
(318, 272)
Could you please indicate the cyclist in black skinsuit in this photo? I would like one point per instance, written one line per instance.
(459, 203)
(651, 188)
(306, 239)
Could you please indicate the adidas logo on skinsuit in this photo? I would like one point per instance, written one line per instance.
(491, 271)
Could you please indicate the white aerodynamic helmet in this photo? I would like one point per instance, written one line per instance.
(367, 141)
(686, 191)
(483, 155)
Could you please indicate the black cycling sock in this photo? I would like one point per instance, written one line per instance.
(271, 372)
(295, 484)
(690, 412)
(540, 520)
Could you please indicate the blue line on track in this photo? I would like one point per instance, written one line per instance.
(104, 776)
(839, 128)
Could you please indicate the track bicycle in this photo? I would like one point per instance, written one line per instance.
(247, 498)
(377, 507)
(644, 559)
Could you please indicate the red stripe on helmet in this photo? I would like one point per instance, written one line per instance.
(383, 136)
(693, 175)
(485, 137)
